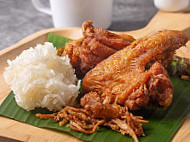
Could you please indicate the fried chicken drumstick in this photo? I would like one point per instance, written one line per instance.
(96, 45)
(122, 82)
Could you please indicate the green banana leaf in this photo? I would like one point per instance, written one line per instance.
(57, 40)
(162, 126)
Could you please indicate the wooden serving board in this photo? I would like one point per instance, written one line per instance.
(10, 129)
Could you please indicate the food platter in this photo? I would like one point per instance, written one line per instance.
(19, 131)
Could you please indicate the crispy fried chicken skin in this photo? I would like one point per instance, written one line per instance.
(96, 45)
(122, 77)
(121, 81)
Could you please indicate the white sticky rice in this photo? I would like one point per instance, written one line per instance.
(40, 78)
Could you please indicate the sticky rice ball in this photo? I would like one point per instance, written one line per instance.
(40, 78)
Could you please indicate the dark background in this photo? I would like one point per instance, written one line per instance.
(18, 18)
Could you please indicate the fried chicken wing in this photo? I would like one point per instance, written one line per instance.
(96, 45)
(123, 77)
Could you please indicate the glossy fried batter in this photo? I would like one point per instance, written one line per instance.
(96, 45)
(120, 82)
(122, 77)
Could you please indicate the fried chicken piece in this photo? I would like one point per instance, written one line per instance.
(96, 45)
(99, 108)
(102, 108)
(97, 112)
(121, 81)
(122, 77)
(72, 49)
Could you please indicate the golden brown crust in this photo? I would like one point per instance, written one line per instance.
(124, 74)
(121, 81)
(96, 45)
(72, 49)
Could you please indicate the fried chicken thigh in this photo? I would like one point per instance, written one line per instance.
(123, 79)
(96, 45)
